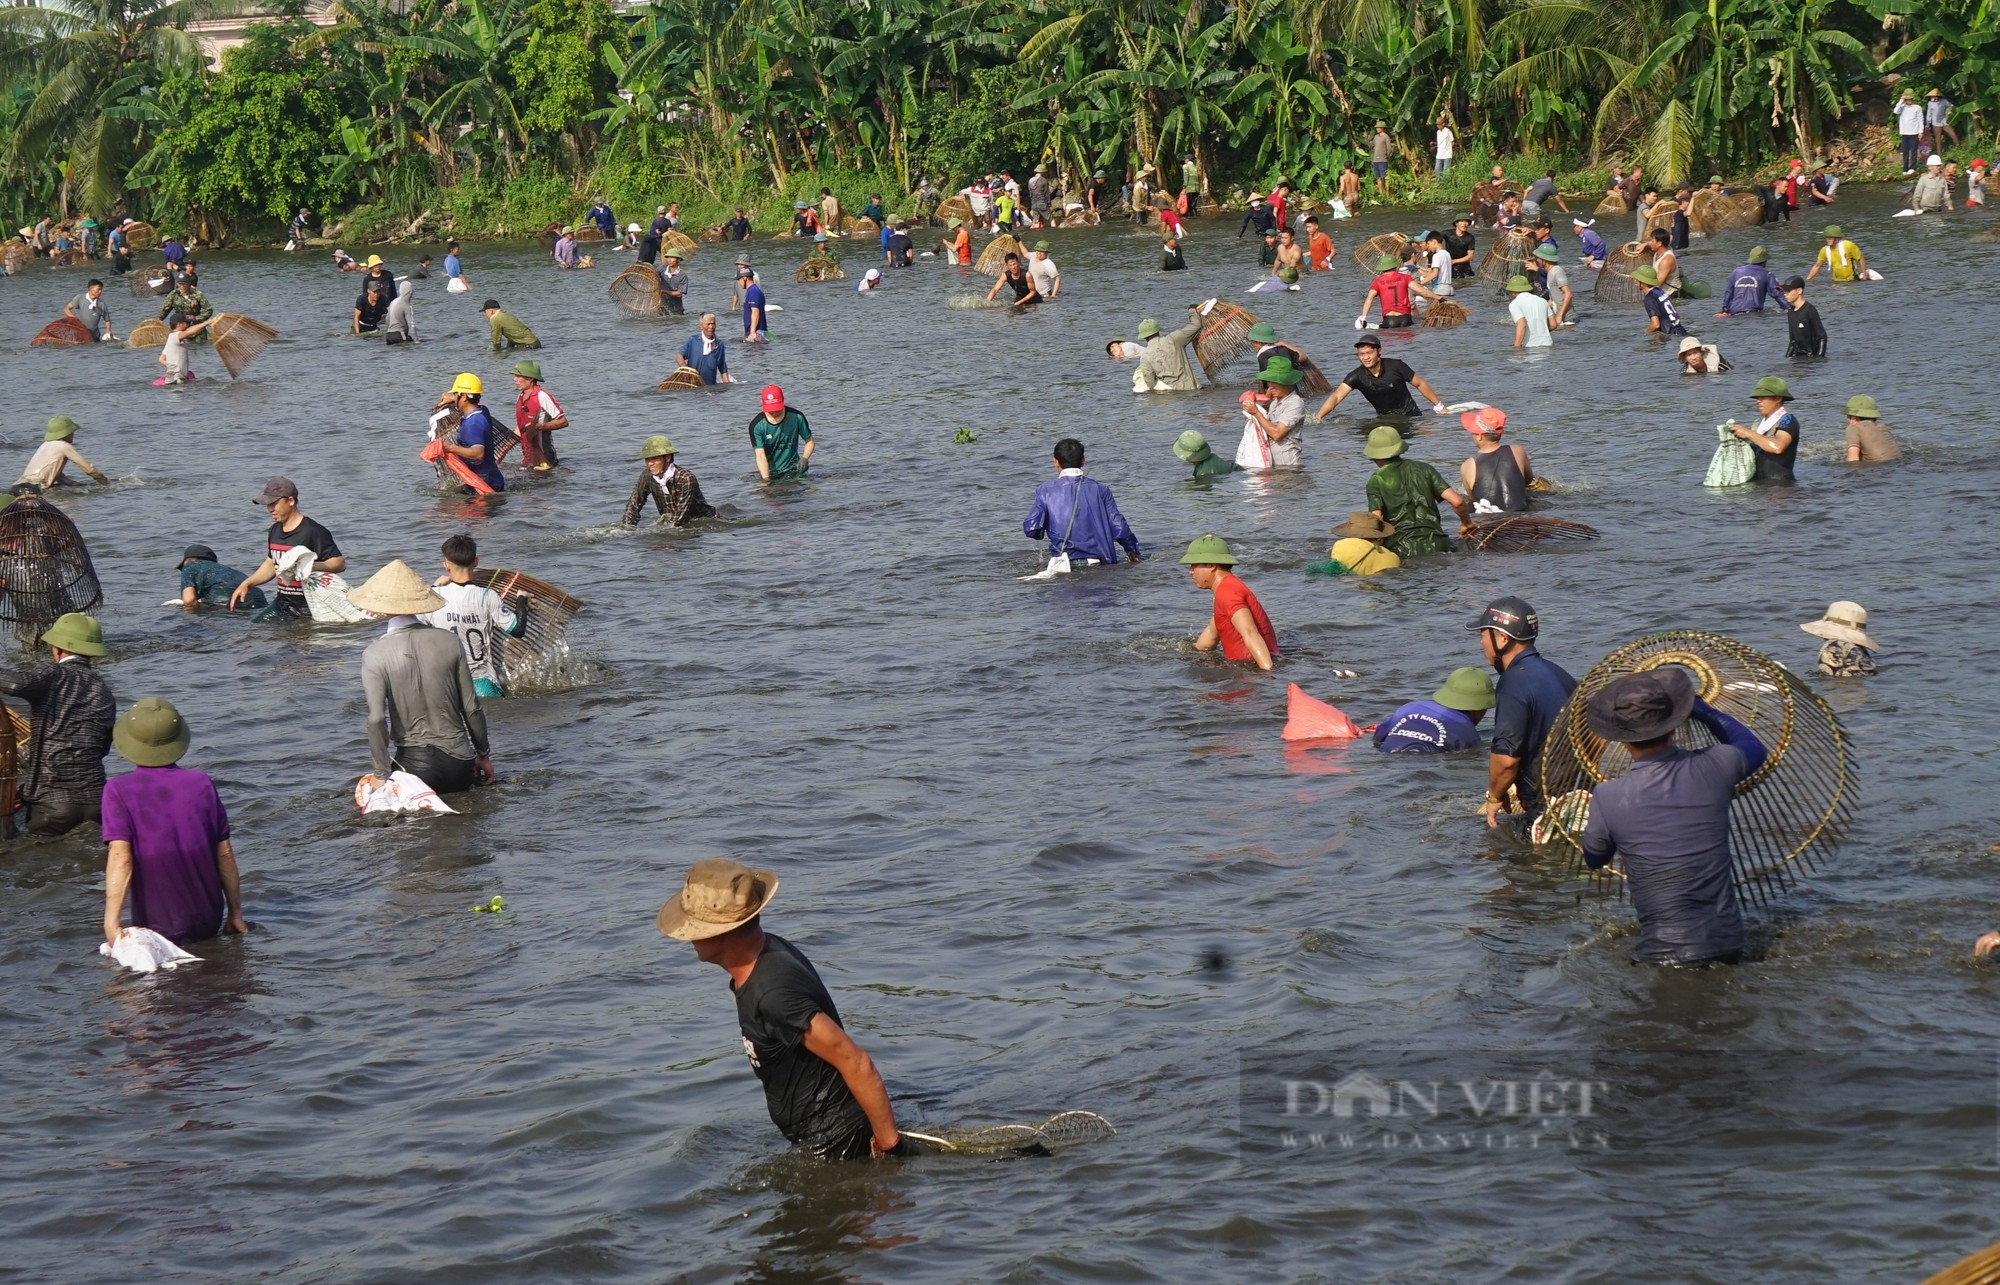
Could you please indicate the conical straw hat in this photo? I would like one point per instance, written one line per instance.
(395, 590)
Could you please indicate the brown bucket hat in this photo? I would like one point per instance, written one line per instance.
(718, 897)
(1365, 526)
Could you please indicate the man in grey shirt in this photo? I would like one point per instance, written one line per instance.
(1542, 189)
(673, 284)
(420, 694)
(1038, 195)
(90, 308)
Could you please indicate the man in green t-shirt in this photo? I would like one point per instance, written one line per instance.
(1193, 448)
(1406, 493)
(782, 438)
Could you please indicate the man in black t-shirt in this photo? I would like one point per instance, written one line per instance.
(1385, 382)
(899, 246)
(290, 529)
(1459, 244)
(823, 1092)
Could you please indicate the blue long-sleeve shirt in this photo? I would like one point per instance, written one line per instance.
(1749, 287)
(1079, 517)
(1593, 245)
(1669, 816)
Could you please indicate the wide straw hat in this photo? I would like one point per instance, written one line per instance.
(60, 427)
(1208, 550)
(1192, 447)
(1489, 420)
(1771, 386)
(1863, 407)
(79, 634)
(1365, 526)
(1279, 370)
(1148, 328)
(396, 590)
(1645, 276)
(717, 897)
(151, 734)
(1641, 707)
(1845, 621)
(1688, 344)
(1467, 689)
(1384, 443)
(1262, 333)
(656, 445)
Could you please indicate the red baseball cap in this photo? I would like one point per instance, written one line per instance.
(774, 397)
(1487, 419)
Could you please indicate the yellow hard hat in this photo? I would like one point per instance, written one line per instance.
(468, 383)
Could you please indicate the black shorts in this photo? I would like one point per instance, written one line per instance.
(1397, 320)
(437, 769)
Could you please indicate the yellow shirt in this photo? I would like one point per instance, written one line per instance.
(1363, 557)
(1840, 259)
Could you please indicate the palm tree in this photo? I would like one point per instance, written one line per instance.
(90, 55)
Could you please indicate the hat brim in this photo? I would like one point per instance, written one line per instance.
(1600, 714)
(1464, 704)
(383, 604)
(133, 750)
(1840, 633)
(1351, 531)
(674, 921)
(1375, 453)
(1196, 456)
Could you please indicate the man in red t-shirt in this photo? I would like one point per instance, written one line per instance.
(1238, 622)
(1394, 288)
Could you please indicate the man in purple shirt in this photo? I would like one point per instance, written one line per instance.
(1668, 816)
(169, 836)
(1077, 513)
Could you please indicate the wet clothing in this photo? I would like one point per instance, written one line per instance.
(538, 445)
(1171, 259)
(1393, 291)
(1877, 446)
(899, 248)
(1841, 659)
(1668, 815)
(45, 466)
(706, 356)
(1215, 466)
(1079, 517)
(1931, 193)
(504, 330)
(1288, 411)
(649, 248)
(1458, 247)
(1426, 727)
(1497, 481)
(1534, 310)
(476, 429)
(1777, 468)
(420, 694)
(1592, 245)
(600, 214)
(677, 496)
(1749, 287)
(1389, 391)
(174, 820)
(1528, 695)
(1662, 309)
(476, 615)
(191, 304)
(1231, 596)
(213, 583)
(1842, 260)
(95, 313)
(1023, 287)
(1806, 336)
(1262, 219)
(781, 442)
(291, 595)
(1164, 367)
(370, 310)
(70, 713)
(1405, 492)
(756, 314)
(808, 1100)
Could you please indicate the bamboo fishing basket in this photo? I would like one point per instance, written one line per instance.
(1224, 336)
(15, 256)
(957, 207)
(992, 260)
(12, 745)
(678, 240)
(588, 232)
(1082, 219)
(1315, 384)
(1507, 257)
(1612, 204)
(713, 232)
(1982, 1268)
(1519, 532)
(45, 568)
(863, 227)
(1368, 252)
(1486, 200)
(1712, 212)
(141, 236)
(1661, 218)
(145, 285)
(147, 334)
(820, 267)
(238, 339)
(1788, 816)
(63, 330)
(1614, 282)
(1446, 313)
(545, 610)
(683, 377)
(637, 289)
(502, 440)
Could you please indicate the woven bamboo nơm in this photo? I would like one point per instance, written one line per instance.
(713, 232)
(1486, 203)
(1612, 204)
(15, 256)
(11, 746)
(45, 568)
(1660, 218)
(957, 207)
(238, 339)
(820, 267)
(1446, 313)
(64, 330)
(1224, 336)
(141, 236)
(1783, 819)
(677, 240)
(1315, 384)
(1508, 256)
(1981, 1268)
(588, 232)
(1369, 252)
(145, 284)
(545, 614)
(1519, 531)
(147, 334)
(501, 440)
(683, 377)
(1082, 219)
(992, 260)
(1614, 282)
(637, 289)
(863, 227)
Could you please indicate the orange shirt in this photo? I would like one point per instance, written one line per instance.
(962, 246)
(1321, 249)
(1231, 595)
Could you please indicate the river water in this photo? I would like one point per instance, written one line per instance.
(1045, 856)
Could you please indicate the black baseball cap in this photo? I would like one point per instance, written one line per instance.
(196, 553)
(278, 488)
(1368, 341)
(1511, 616)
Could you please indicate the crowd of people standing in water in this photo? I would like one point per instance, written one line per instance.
(428, 678)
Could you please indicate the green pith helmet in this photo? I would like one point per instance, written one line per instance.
(1384, 443)
(1261, 333)
(1148, 328)
(1834, 230)
(1758, 255)
(76, 633)
(1043, 246)
(1863, 408)
(1288, 274)
(1192, 447)
(529, 370)
(1467, 689)
(1518, 285)
(1645, 276)
(1209, 550)
(151, 733)
(1772, 386)
(1279, 370)
(656, 445)
(1385, 263)
(60, 427)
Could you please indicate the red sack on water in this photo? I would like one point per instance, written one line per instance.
(1307, 719)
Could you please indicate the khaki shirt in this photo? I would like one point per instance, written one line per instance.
(45, 468)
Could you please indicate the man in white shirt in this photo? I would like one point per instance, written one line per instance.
(1445, 141)
(1531, 314)
(45, 467)
(1042, 270)
(476, 614)
(1438, 273)
(1910, 125)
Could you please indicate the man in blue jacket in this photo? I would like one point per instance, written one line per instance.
(1448, 721)
(1668, 815)
(1749, 286)
(1077, 513)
